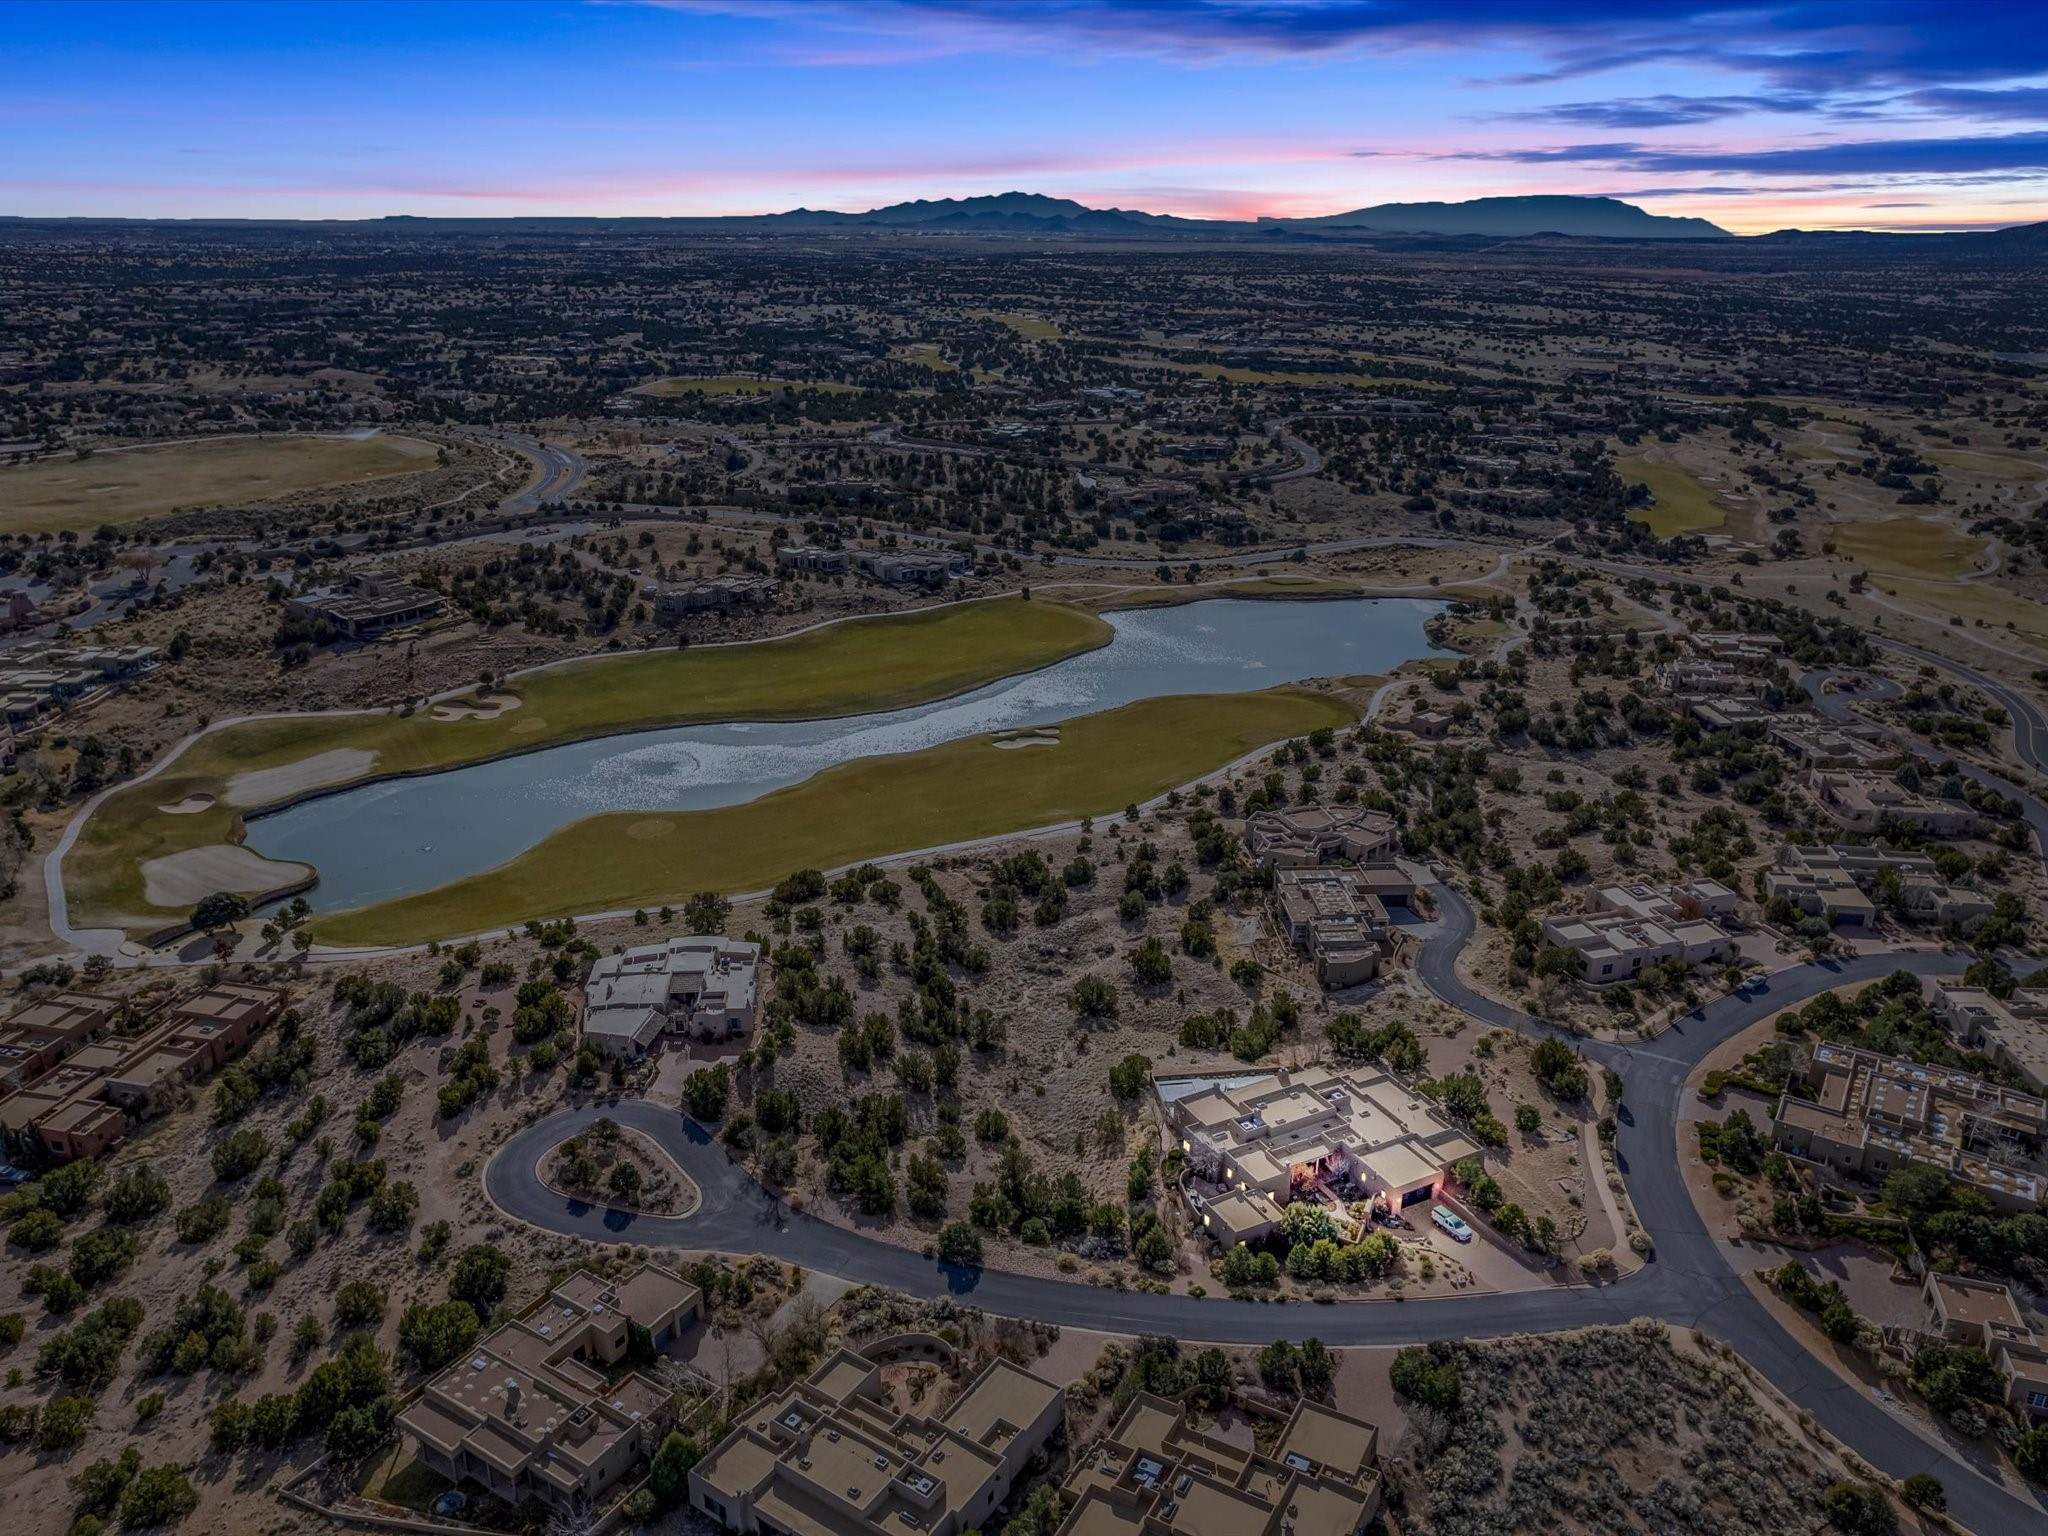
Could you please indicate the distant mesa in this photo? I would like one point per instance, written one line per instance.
(1495, 217)
(1602, 218)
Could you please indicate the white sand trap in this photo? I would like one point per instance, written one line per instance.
(262, 786)
(181, 879)
(191, 805)
(475, 708)
(1041, 738)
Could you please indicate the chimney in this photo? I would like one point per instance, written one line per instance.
(511, 1398)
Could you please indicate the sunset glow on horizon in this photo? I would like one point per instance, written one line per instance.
(1754, 116)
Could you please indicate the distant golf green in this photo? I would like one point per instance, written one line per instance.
(964, 790)
(854, 667)
(1682, 504)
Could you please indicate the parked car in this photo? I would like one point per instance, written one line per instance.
(1751, 985)
(1451, 1222)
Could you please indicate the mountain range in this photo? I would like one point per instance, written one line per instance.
(1412, 225)
(1498, 217)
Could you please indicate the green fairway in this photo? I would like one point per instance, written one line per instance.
(1910, 546)
(877, 806)
(1683, 505)
(849, 668)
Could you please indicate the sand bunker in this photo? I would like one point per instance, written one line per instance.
(191, 805)
(181, 879)
(263, 786)
(473, 707)
(1049, 737)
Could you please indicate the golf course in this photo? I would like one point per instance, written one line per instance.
(1681, 505)
(854, 667)
(963, 790)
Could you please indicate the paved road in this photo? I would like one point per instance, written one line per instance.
(1689, 1281)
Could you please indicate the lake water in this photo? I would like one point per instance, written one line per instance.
(382, 841)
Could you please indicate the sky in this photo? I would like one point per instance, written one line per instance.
(1759, 116)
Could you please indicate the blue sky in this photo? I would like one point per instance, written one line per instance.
(1758, 116)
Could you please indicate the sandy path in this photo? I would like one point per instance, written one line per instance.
(261, 786)
(181, 879)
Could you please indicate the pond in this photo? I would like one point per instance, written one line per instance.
(381, 841)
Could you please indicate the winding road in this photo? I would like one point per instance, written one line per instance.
(1690, 1282)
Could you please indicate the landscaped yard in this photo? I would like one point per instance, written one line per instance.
(126, 485)
(877, 806)
(849, 668)
(1682, 504)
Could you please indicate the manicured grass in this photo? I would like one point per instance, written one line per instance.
(1683, 505)
(841, 669)
(733, 385)
(128, 484)
(1909, 546)
(959, 791)
(1996, 465)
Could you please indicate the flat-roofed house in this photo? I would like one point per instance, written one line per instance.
(1320, 834)
(812, 558)
(1841, 883)
(2012, 1031)
(1964, 1310)
(41, 1035)
(831, 1456)
(1681, 902)
(914, 567)
(700, 984)
(1279, 1132)
(1863, 802)
(79, 1125)
(1330, 914)
(673, 604)
(1155, 1474)
(195, 1037)
(1869, 1114)
(532, 1411)
(372, 603)
(80, 1108)
(1616, 948)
